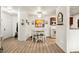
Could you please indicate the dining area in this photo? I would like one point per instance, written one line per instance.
(38, 33)
(38, 36)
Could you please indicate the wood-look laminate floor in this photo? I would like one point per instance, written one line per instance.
(13, 45)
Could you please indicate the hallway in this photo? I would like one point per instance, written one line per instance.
(12, 45)
(38, 22)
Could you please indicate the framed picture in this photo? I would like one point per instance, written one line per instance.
(22, 22)
(27, 22)
(32, 22)
(39, 23)
(60, 19)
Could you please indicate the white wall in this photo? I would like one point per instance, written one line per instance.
(61, 29)
(47, 26)
(73, 37)
(7, 24)
(24, 30)
(73, 41)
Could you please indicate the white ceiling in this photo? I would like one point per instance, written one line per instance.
(74, 10)
(48, 10)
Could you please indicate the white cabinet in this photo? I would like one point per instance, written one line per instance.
(53, 31)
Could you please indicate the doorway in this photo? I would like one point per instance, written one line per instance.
(16, 33)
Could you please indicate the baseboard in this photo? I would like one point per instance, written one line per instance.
(30, 37)
(48, 36)
(1, 49)
(53, 38)
(60, 48)
(9, 37)
(74, 52)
